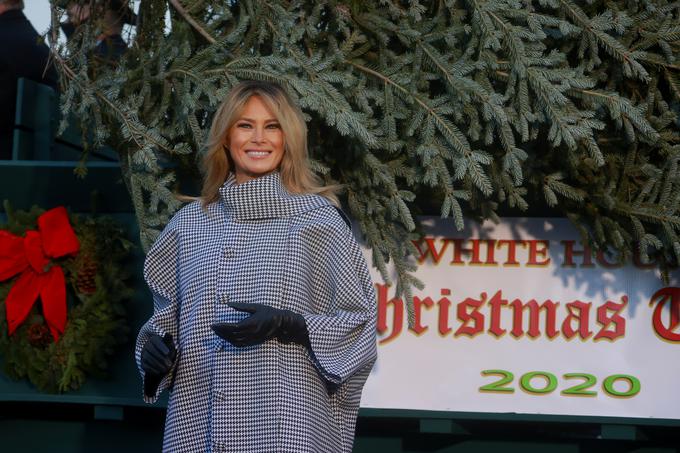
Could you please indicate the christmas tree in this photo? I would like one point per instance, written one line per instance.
(471, 108)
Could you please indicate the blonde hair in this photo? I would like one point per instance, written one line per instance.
(296, 174)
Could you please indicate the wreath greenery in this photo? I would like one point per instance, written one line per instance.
(96, 288)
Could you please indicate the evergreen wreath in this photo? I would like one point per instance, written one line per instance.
(96, 289)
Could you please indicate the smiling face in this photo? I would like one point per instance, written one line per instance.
(255, 141)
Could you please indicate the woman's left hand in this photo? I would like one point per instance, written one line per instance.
(264, 323)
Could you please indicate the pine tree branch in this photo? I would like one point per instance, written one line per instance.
(312, 75)
(134, 129)
(610, 44)
(658, 63)
(188, 73)
(460, 145)
(655, 218)
(182, 12)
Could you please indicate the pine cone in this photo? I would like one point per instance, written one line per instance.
(39, 335)
(85, 279)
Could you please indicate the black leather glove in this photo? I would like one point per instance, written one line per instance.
(158, 355)
(264, 323)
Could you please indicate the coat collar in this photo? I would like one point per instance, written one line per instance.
(264, 198)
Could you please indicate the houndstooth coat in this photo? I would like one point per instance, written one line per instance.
(261, 244)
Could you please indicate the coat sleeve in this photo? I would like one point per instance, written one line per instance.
(161, 275)
(342, 322)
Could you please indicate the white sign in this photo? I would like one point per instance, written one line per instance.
(518, 317)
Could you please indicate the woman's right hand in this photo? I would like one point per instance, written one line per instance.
(158, 355)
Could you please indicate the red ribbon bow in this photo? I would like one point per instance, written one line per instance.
(30, 257)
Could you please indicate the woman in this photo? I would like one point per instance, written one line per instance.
(264, 311)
